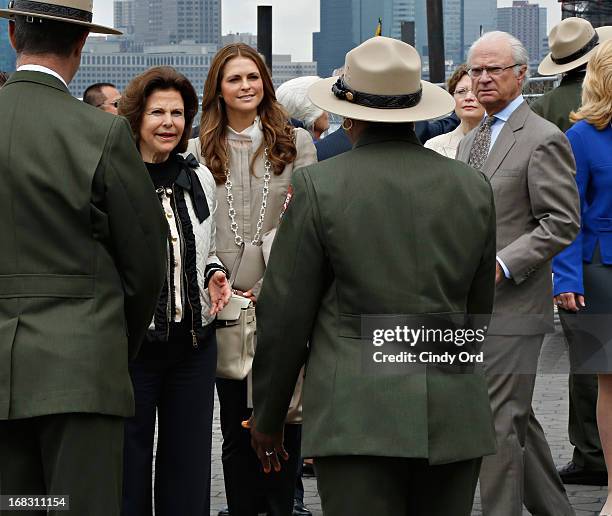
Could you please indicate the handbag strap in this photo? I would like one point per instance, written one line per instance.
(236, 266)
(264, 202)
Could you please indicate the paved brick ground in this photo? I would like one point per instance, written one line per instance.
(550, 406)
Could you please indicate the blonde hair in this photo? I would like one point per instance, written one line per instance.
(596, 108)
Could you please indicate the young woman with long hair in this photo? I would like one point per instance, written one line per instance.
(251, 149)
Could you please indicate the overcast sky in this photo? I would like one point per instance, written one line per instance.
(294, 21)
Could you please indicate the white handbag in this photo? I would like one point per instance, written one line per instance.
(236, 342)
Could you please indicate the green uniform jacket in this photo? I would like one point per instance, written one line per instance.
(556, 105)
(387, 228)
(83, 252)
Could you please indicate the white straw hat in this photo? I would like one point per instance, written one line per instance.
(79, 12)
(382, 83)
(572, 43)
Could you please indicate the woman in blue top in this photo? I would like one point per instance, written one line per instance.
(583, 271)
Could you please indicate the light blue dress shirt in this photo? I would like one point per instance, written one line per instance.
(502, 117)
(500, 120)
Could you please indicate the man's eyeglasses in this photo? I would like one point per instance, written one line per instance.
(114, 103)
(462, 92)
(477, 71)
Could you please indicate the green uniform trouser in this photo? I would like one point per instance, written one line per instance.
(79, 455)
(390, 486)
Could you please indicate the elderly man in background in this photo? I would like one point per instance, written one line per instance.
(531, 168)
(83, 260)
(293, 97)
(104, 96)
(572, 42)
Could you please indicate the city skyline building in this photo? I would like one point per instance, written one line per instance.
(171, 22)
(526, 22)
(7, 54)
(403, 11)
(240, 37)
(106, 60)
(344, 24)
(334, 39)
(124, 17)
(479, 16)
(464, 22)
(118, 59)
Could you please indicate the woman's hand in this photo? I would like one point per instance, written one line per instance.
(220, 292)
(570, 301)
(248, 294)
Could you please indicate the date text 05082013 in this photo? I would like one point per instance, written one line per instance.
(29, 502)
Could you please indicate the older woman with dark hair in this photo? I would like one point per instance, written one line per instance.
(174, 372)
(467, 108)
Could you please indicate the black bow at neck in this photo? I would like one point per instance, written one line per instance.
(188, 179)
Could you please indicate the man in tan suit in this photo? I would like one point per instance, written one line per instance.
(531, 168)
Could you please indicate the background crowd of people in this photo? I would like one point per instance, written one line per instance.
(131, 238)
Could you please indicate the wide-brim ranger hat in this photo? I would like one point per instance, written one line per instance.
(572, 42)
(79, 12)
(382, 83)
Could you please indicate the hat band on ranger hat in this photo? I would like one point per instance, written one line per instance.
(59, 11)
(344, 92)
(579, 53)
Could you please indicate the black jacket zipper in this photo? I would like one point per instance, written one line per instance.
(194, 339)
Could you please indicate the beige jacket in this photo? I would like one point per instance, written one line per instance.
(247, 191)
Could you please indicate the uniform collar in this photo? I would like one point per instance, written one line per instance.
(388, 132)
(42, 69)
(42, 78)
(573, 77)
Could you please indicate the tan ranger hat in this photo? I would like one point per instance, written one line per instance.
(382, 83)
(572, 42)
(79, 12)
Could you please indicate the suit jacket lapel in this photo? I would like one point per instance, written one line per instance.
(506, 140)
(465, 146)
